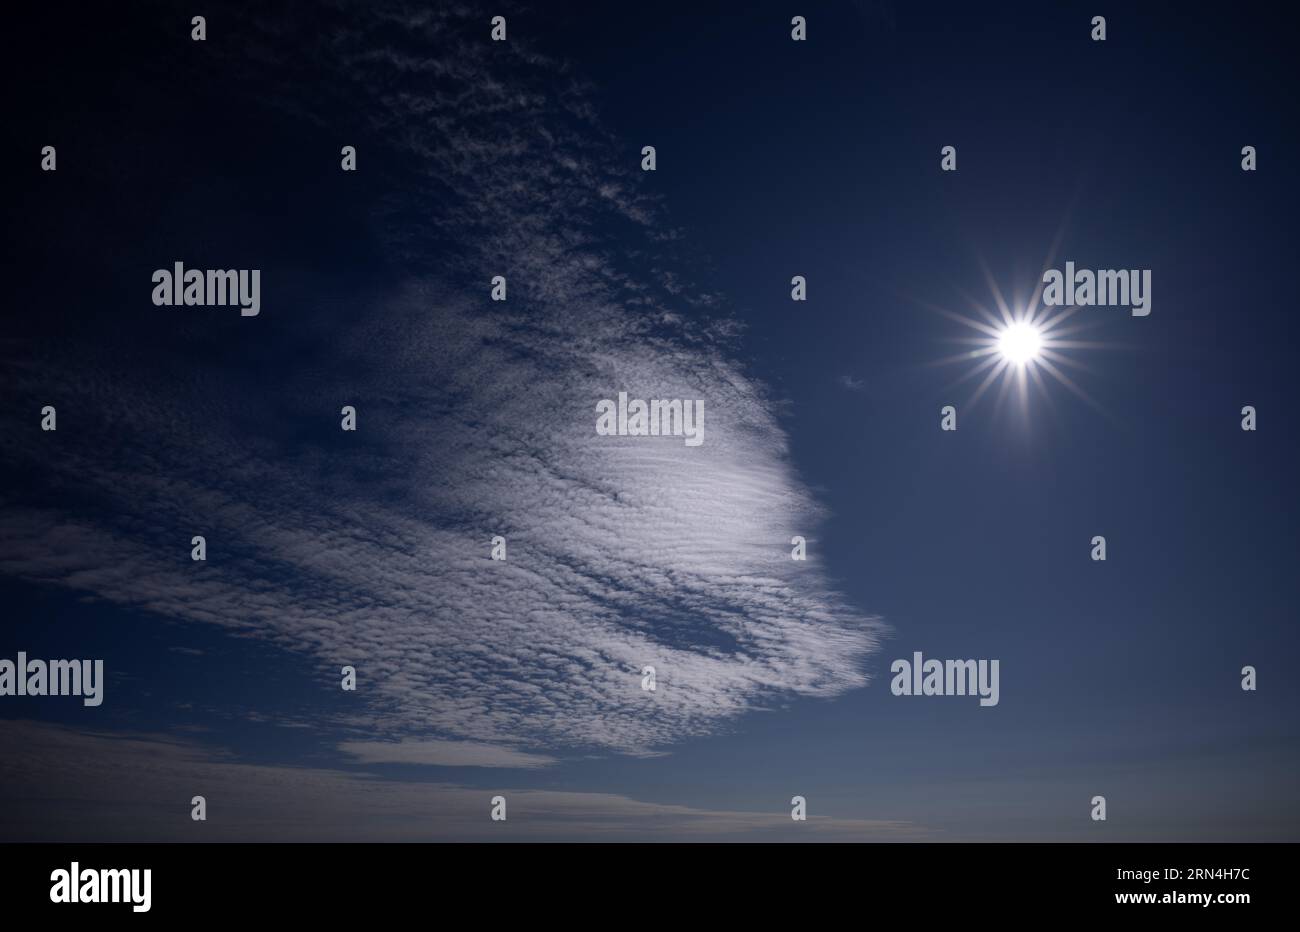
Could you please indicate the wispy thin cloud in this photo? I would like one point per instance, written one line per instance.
(442, 754)
(87, 787)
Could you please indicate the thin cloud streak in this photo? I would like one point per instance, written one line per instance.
(77, 786)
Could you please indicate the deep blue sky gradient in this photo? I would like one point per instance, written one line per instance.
(820, 159)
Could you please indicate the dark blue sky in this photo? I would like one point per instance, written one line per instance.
(774, 159)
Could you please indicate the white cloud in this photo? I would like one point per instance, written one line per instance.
(475, 419)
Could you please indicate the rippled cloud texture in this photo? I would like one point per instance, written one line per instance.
(475, 419)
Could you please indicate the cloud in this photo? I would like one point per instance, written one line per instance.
(73, 786)
(475, 419)
(441, 754)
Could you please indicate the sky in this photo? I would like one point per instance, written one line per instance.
(476, 418)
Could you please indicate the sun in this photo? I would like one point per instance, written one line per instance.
(1020, 346)
(1020, 343)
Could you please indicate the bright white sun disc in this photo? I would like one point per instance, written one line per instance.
(1019, 343)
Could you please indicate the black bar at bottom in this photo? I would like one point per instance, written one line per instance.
(634, 884)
